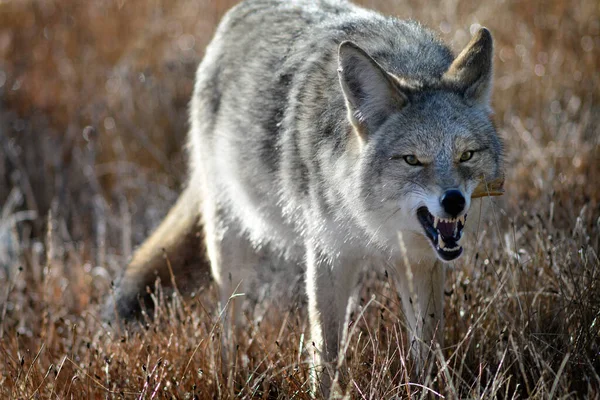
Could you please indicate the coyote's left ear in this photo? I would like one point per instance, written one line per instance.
(371, 93)
(472, 71)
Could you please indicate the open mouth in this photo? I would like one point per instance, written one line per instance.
(444, 234)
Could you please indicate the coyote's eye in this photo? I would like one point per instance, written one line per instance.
(412, 160)
(466, 156)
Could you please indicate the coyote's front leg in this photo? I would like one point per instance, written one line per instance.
(329, 284)
(421, 289)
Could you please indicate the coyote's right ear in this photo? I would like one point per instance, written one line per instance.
(371, 93)
(471, 72)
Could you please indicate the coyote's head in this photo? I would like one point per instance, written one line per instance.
(424, 146)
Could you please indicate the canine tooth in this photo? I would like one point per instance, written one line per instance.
(462, 219)
(441, 243)
(436, 220)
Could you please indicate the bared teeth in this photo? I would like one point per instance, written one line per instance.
(446, 220)
(437, 220)
(441, 242)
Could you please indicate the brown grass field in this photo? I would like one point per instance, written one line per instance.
(93, 118)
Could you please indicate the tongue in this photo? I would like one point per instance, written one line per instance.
(447, 229)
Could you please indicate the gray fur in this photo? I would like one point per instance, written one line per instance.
(297, 143)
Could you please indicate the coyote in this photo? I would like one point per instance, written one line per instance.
(328, 136)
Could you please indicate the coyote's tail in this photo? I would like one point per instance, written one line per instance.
(176, 243)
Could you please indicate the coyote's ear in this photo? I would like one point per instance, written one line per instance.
(371, 93)
(471, 72)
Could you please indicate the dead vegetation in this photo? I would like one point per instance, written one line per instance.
(93, 99)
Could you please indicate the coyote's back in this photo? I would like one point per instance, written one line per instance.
(322, 136)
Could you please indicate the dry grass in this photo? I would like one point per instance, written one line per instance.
(93, 99)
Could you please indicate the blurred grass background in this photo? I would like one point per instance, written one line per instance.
(93, 119)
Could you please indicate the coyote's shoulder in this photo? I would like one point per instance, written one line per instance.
(327, 136)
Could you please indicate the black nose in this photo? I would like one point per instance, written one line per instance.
(453, 202)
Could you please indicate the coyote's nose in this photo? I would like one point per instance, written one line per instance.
(453, 202)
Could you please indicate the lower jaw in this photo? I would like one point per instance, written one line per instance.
(444, 254)
(449, 255)
(421, 246)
